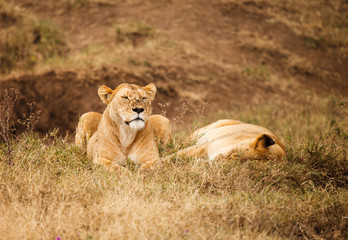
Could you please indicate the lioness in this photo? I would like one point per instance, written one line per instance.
(125, 128)
(234, 139)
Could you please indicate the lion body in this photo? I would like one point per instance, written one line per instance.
(125, 130)
(234, 139)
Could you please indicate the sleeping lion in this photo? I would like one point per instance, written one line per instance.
(233, 139)
(125, 130)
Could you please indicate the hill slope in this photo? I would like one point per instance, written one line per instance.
(226, 53)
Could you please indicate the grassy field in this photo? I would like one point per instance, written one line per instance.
(279, 64)
(53, 192)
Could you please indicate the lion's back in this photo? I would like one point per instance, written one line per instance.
(161, 129)
(87, 126)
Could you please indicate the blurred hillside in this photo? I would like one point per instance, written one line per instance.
(221, 55)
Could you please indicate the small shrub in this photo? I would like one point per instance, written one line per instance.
(7, 101)
(8, 98)
(9, 13)
(258, 71)
(133, 32)
(28, 42)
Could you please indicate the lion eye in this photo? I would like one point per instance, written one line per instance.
(144, 98)
(125, 97)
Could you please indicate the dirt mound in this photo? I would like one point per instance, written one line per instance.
(63, 96)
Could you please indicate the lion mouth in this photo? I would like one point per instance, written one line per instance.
(135, 119)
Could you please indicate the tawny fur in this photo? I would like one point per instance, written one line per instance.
(88, 125)
(122, 132)
(161, 129)
(234, 139)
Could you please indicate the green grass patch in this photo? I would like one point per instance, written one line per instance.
(258, 71)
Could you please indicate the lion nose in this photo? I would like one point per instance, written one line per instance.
(138, 110)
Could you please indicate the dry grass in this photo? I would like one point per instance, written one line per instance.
(26, 41)
(137, 45)
(320, 22)
(53, 191)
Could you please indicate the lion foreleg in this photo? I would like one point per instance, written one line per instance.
(109, 165)
(197, 151)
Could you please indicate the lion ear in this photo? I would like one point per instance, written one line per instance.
(104, 93)
(262, 142)
(151, 90)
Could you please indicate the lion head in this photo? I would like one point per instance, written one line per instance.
(129, 104)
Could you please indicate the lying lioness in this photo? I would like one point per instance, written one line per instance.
(234, 139)
(125, 129)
